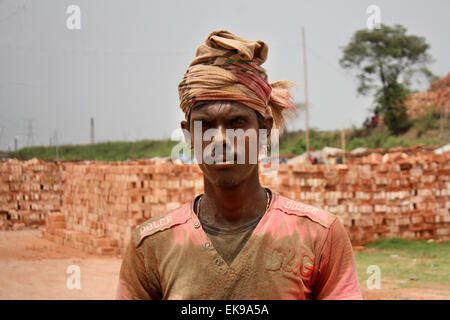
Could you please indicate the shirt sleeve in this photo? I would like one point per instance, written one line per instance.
(337, 278)
(138, 279)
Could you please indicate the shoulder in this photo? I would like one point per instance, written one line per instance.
(300, 209)
(161, 223)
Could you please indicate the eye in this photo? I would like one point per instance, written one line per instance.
(238, 121)
(206, 123)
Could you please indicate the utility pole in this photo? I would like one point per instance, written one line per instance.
(1, 133)
(92, 131)
(441, 124)
(55, 141)
(343, 144)
(305, 73)
(30, 133)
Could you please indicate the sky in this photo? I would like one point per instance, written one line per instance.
(123, 66)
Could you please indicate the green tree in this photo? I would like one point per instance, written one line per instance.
(385, 60)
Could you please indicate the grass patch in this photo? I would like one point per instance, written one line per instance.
(107, 151)
(403, 260)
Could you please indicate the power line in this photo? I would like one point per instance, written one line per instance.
(30, 132)
(92, 131)
(91, 51)
(327, 62)
(54, 141)
(18, 10)
(305, 73)
(1, 133)
(8, 121)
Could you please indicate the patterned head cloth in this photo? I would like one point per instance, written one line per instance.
(228, 67)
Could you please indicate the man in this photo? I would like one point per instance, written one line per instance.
(238, 240)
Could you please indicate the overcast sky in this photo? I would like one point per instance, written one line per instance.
(123, 66)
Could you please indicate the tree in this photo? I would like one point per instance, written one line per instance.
(385, 60)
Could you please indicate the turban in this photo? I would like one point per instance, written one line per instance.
(228, 67)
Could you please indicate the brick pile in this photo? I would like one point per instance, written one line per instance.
(95, 205)
(435, 98)
(103, 202)
(28, 190)
(381, 196)
(352, 158)
(57, 231)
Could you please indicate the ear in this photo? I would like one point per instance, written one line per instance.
(268, 123)
(185, 126)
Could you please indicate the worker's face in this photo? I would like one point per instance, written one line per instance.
(226, 137)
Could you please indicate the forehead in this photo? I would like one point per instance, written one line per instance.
(221, 109)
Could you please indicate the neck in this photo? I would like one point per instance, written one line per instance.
(231, 207)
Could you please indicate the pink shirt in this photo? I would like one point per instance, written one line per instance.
(296, 251)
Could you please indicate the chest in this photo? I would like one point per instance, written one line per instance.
(266, 267)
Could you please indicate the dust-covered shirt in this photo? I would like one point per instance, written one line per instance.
(228, 242)
(296, 251)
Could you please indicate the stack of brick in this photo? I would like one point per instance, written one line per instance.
(375, 155)
(110, 199)
(391, 195)
(394, 195)
(28, 190)
(97, 204)
(56, 231)
(436, 98)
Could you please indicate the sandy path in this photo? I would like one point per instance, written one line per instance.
(35, 268)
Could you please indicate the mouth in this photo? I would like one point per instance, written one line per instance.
(224, 163)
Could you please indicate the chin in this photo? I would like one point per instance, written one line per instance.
(225, 182)
(229, 178)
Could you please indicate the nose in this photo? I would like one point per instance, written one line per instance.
(221, 137)
(224, 143)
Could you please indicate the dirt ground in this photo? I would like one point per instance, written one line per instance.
(390, 291)
(35, 268)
